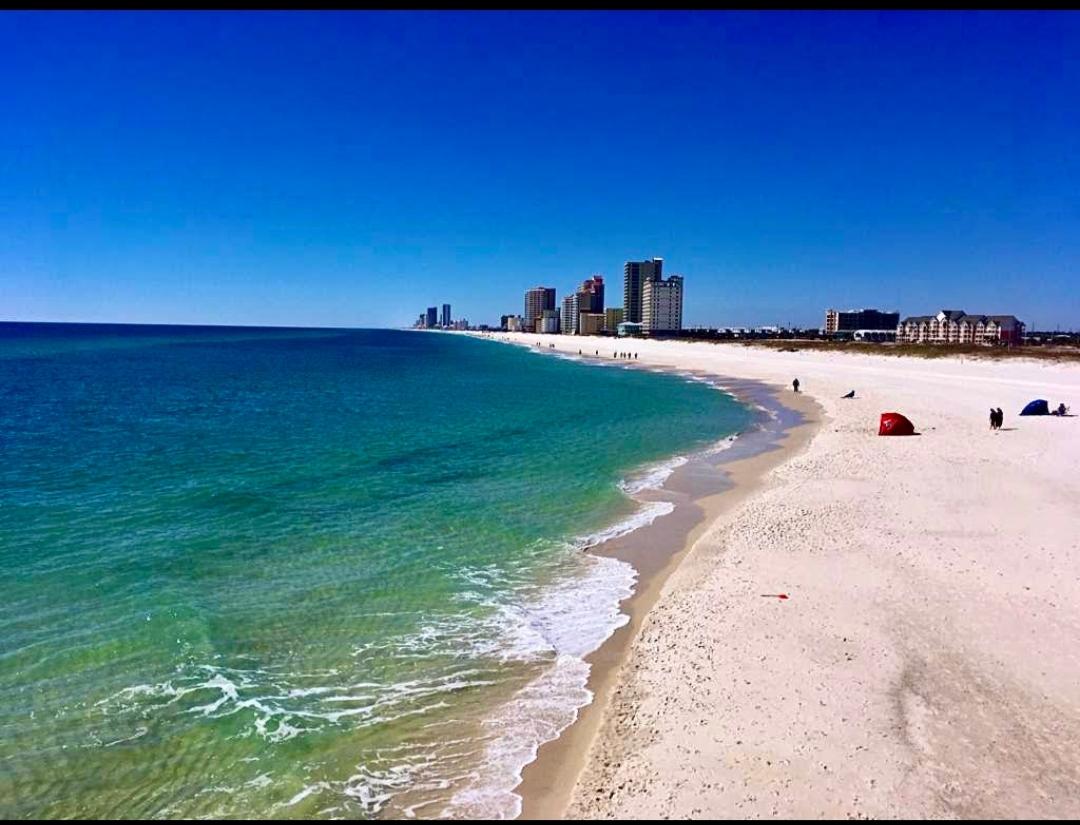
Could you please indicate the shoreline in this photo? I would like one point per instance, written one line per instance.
(548, 782)
(781, 428)
(924, 664)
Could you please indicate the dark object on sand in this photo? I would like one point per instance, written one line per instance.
(849, 395)
(895, 424)
(774, 595)
(795, 384)
(1036, 407)
(1061, 409)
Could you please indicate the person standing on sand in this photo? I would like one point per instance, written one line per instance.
(993, 418)
(795, 384)
(1000, 417)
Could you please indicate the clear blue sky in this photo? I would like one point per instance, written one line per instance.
(349, 169)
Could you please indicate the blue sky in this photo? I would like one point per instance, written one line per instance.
(350, 169)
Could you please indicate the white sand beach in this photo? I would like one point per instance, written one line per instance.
(927, 660)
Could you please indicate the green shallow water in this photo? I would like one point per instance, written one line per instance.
(305, 573)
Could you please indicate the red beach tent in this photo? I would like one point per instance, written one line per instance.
(895, 424)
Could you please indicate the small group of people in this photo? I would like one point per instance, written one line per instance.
(627, 355)
(1061, 410)
(997, 418)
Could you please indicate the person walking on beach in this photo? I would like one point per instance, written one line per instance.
(1000, 417)
(795, 384)
(993, 419)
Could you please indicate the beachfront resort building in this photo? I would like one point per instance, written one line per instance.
(954, 326)
(844, 323)
(446, 316)
(591, 323)
(588, 300)
(570, 314)
(661, 304)
(548, 322)
(591, 295)
(613, 316)
(432, 319)
(635, 274)
(537, 300)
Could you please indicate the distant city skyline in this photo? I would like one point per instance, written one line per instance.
(351, 169)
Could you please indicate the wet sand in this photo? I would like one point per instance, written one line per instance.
(702, 490)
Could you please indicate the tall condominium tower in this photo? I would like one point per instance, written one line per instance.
(635, 274)
(537, 300)
(661, 304)
(570, 313)
(591, 295)
(446, 315)
(432, 318)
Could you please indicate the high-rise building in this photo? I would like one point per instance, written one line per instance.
(537, 300)
(432, 318)
(446, 316)
(635, 274)
(570, 312)
(661, 304)
(591, 295)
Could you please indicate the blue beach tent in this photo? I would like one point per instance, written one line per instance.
(1036, 407)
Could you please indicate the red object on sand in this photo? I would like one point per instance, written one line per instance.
(895, 424)
(774, 595)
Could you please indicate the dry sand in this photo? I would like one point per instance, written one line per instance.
(927, 662)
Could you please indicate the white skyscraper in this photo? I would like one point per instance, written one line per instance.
(570, 313)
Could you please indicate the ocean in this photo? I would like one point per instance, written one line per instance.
(308, 573)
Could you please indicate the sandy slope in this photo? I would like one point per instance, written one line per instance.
(927, 662)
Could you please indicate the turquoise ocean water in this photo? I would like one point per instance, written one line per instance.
(281, 573)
